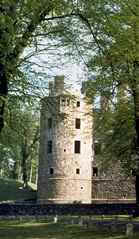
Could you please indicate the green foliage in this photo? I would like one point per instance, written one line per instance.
(22, 25)
(110, 51)
(19, 140)
(115, 133)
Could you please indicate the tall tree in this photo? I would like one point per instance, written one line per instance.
(19, 141)
(21, 22)
(115, 61)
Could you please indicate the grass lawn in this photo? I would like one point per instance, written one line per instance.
(45, 230)
(11, 190)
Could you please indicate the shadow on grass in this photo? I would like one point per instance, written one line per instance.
(11, 190)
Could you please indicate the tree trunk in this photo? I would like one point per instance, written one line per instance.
(24, 164)
(24, 170)
(31, 172)
(20, 173)
(15, 176)
(36, 181)
(137, 188)
(136, 105)
(3, 93)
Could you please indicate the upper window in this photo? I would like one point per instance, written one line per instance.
(77, 123)
(77, 147)
(63, 102)
(49, 123)
(78, 103)
(49, 147)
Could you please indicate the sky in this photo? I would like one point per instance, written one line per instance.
(49, 61)
(74, 74)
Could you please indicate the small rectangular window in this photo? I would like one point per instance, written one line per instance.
(49, 147)
(49, 123)
(77, 171)
(51, 171)
(95, 171)
(77, 146)
(63, 102)
(78, 103)
(77, 123)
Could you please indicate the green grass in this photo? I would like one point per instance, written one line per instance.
(11, 190)
(45, 230)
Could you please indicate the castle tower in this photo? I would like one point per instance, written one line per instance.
(65, 167)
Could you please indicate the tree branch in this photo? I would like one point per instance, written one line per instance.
(23, 41)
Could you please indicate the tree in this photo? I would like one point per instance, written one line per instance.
(115, 60)
(20, 24)
(20, 140)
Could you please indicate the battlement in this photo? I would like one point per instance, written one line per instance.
(56, 87)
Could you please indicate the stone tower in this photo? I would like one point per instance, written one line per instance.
(65, 167)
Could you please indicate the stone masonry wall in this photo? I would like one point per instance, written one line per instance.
(118, 188)
(65, 176)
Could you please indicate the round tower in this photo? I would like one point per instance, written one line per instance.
(65, 167)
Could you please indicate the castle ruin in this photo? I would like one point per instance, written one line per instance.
(66, 155)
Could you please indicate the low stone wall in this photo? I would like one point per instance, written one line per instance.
(67, 209)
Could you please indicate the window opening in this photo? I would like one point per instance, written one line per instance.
(78, 103)
(77, 123)
(51, 171)
(77, 171)
(95, 171)
(49, 147)
(77, 147)
(63, 102)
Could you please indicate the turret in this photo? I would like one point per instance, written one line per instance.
(65, 167)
